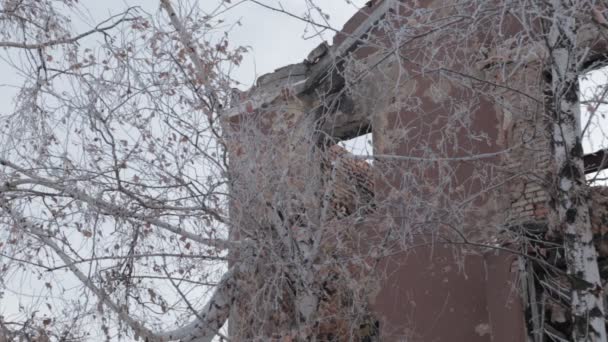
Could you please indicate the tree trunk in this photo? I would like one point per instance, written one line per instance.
(570, 211)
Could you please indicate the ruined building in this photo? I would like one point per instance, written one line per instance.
(435, 239)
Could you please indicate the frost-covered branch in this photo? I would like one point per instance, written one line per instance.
(108, 208)
(207, 324)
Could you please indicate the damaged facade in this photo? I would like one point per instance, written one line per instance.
(444, 236)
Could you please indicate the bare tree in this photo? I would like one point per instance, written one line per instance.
(141, 191)
(113, 170)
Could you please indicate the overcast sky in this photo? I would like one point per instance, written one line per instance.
(275, 39)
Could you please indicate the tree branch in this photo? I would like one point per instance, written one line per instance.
(69, 40)
(203, 329)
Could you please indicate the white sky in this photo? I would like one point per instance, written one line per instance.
(275, 39)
